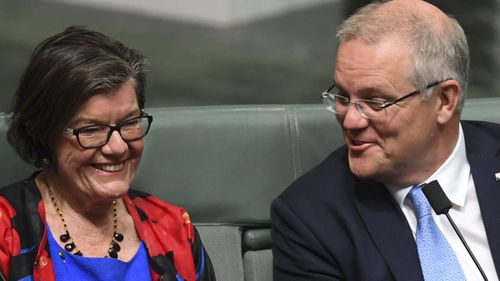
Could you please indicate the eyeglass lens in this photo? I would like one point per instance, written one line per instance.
(130, 130)
(340, 104)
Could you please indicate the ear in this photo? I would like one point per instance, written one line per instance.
(448, 95)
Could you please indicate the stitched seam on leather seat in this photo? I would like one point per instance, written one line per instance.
(293, 129)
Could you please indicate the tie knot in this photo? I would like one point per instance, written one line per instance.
(420, 202)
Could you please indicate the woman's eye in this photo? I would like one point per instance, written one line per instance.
(92, 131)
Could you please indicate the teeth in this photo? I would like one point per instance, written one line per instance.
(110, 168)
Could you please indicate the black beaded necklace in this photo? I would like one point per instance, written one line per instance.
(66, 238)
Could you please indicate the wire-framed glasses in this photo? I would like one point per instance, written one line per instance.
(367, 108)
(98, 135)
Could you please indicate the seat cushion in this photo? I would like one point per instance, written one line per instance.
(223, 245)
(258, 265)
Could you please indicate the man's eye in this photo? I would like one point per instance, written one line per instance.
(374, 105)
(379, 100)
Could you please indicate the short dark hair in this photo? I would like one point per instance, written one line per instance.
(64, 71)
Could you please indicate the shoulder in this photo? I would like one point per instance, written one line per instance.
(154, 209)
(165, 228)
(481, 125)
(20, 226)
(149, 202)
(478, 131)
(21, 194)
(7, 213)
(325, 193)
(332, 177)
(14, 189)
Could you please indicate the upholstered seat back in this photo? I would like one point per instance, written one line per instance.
(225, 164)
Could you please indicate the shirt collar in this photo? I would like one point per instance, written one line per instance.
(453, 176)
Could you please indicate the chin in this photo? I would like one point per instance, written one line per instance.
(362, 168)
(363, 174)
(112, 189)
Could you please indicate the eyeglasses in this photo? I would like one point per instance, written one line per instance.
(98, 135)
(367, 108)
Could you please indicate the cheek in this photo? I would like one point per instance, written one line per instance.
(75, 165)
(69, 155)
(392, 137)
(136, 148)
(405, 139)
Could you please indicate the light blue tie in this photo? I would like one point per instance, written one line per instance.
(437, 258)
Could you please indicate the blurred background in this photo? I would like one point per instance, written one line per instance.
(213, 52)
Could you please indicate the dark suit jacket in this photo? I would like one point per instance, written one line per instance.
(330, 225)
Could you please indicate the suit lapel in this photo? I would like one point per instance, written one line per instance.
(386, 224)
(389, 230)
(483, 155)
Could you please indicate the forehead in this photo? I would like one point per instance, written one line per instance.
(109, 105)
(385, 63)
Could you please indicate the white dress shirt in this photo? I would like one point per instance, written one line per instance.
(455, 178)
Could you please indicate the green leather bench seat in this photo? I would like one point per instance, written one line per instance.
(225, 164)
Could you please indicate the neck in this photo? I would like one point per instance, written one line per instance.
(75, 203)
(85, 224)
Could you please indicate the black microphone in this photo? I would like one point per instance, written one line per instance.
(441, 205)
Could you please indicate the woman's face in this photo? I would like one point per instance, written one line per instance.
(103, 173)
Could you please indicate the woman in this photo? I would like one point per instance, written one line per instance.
(79, 117)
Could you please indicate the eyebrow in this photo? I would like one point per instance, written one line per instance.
(88, 120)
(340, 88)
(368, 91)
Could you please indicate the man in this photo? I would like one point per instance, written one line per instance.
(399, 85)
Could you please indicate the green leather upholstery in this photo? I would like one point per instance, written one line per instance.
(225, 164)
(229, 162)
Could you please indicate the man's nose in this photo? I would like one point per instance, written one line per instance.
(353, 118)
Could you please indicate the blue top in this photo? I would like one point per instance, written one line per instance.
(69, 267)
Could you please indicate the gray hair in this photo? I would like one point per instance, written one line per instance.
(438, 49)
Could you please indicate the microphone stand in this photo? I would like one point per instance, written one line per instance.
(466, 245)
(442, 205)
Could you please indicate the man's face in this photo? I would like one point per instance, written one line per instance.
(393, 148)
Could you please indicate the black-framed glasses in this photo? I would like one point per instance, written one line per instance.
(98, 135)
(367, 108)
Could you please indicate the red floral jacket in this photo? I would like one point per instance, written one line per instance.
(175, 251)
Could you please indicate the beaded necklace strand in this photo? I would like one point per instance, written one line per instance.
(69, 243)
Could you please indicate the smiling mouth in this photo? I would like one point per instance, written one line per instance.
(354, 142)
(358, 146)
(357, 142)
(109, 167)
